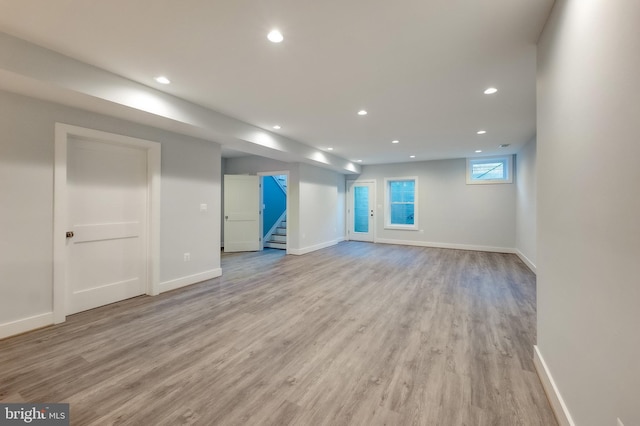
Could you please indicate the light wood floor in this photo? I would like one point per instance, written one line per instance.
(356, 334)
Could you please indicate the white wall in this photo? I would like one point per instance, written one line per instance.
(526, 204)
(316, 201)
(450, 212)
(190, 176)
(322, 208)
(589, 208)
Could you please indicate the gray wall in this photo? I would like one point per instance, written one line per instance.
(589, 207)
(322, 208)
(190, 176)
(253, 165)
(526, 223)
(451, 213)
(316, 201)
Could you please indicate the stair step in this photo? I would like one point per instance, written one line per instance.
(278, 238)
(270, 244)
(280, 231)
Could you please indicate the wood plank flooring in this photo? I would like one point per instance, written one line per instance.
(356, 334)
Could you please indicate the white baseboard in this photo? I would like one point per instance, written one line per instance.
(190, 279)
(446, 245)
(557, 403)
(26, 324)
(38, 321)
(527, 261)
(309, 249)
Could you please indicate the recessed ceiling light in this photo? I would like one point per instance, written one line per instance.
(478, 151)
(275, 36)
(412, 156)
(277, 127)
(481, 132)
(358, 161)
(329, 149)
(395, 141)
(362, 112)
(490, 91)
(163, 80)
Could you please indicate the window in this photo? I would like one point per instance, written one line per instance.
(489, 170)
(401, 210)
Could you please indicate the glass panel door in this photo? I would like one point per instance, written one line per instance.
(361, 210)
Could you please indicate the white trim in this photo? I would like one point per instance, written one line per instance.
(387, 204)
(447, 245)
(320, 246)
(189, 280)
(26, 324)
(553, 393)
(527, 261)
(60, 225)
(507, 160)
(154, 161)
(62, 134)
(349, 214)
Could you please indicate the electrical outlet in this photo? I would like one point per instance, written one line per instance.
(620, 422)
(187, 257)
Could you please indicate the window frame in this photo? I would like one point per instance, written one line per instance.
(387, 203)
(507, 160)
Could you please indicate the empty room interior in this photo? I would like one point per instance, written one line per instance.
(321, 213)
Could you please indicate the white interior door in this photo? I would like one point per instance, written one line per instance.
(241, 213)
(107, 214)
(361, 211)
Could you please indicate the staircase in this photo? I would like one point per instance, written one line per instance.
(278, 239)
(282, 180)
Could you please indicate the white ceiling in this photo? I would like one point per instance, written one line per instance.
(419, 67)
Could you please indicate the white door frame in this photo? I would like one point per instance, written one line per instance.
(349, 218)
(262, 175)
(62, 134)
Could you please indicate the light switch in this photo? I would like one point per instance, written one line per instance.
(203, 207)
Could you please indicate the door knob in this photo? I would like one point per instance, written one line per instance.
(70, 234)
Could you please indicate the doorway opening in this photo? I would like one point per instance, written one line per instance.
(274, 210)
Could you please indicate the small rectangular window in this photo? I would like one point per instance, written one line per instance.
(401, 203)
(489, 170)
